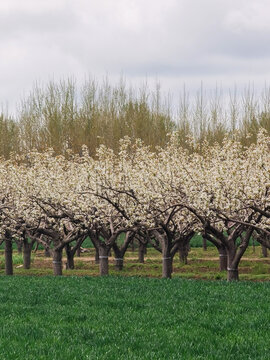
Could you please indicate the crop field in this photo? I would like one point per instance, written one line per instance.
(132, 318)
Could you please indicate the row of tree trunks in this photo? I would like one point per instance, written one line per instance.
(102, 255)
(229, 256)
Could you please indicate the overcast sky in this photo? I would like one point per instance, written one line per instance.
(176, 41)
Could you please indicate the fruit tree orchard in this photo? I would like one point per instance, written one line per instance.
(162, 198)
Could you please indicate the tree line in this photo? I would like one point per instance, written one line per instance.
(65, 116)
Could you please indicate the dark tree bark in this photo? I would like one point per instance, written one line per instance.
(57, 261)
(60, 241)
(253, 246)
(104, 238)
(168, 250)
(234, 252)
(119, 251)
(19, 246)
(104, 260)
(96, 255)
(27, 249)
(183, 252)
(72, 250)
(28, 243)
(204, 241)
(119, 263)
(229, 243)
(70, 258)
(142, 240)
(78, 252)
(264, 251)
(118, 257)
(132, 245)
(233, 274)
(264, 241)
(8, 256)
(167, 267)
(45, 241)
(47, 252)
(36, 247)
(232, 267)
(223, 258)
(170, 240)
(142, 249)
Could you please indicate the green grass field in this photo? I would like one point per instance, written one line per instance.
(132, 318)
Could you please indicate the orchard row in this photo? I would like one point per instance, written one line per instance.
(162, 198)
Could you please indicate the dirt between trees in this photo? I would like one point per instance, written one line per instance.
(253, 268)
(152, 258)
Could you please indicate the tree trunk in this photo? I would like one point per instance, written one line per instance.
(119, 263)
(145, 249)
(57, 262)
(36, 247)
(8, 257)
(253, 245)
(223, 259)
(264, 251)
(78, 252)
(103, 261)
(133, 245)
(183, 253)
(96, 255)
(204, 242)
(27, 249)
(47, 252)
(19, 246)
(142, 248)
(70, 257)
(167, 267)
(232, 269)
(232, 274)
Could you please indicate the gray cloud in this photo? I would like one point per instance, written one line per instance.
(174, 40)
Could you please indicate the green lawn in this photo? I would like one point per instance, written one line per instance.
(132, 318)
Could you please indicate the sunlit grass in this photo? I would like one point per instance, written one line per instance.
(132, 318)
